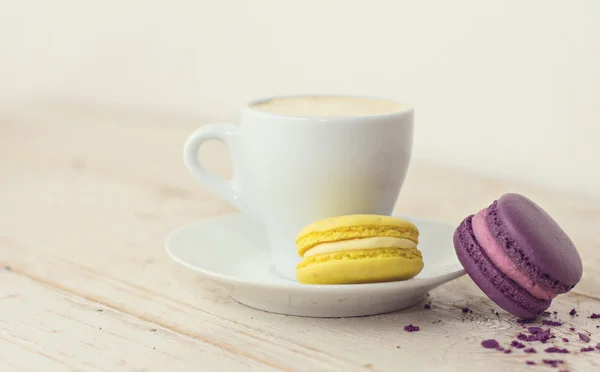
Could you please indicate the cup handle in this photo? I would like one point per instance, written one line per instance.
(225, 133)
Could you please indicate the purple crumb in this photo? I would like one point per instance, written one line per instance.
(555, 349)
(411, 328)
(546, 313)
(397, 347)
(551, 323)
(572, 329)
(572, 312)
(530, 362)
(565, 339)
(553, 362)
(507, 351)
(465, 310)
(517, 344)
(530, 350)
(595, 316)
(500, 348)
(537, 334)
(490, 344)
(584, 337)
(586, 349)
(598, 346)
(427, 307)
(525, 321)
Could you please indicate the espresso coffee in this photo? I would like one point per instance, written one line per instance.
(328, 106)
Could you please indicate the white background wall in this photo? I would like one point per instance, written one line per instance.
(507, 87)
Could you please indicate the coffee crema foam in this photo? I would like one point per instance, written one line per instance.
(328, 106)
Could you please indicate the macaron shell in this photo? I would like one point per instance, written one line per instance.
(354, 267)
(497, 286)
(356, 220)
(535, 241)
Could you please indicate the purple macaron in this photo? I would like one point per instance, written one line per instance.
(518, 255)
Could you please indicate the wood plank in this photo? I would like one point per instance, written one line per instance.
(447, 334)
(14, 356)
(46, 328)
(87, 217)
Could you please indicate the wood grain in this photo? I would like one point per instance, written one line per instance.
(87, 196)
(54, 328)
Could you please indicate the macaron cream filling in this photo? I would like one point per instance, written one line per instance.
(504, 264)
(361, 244)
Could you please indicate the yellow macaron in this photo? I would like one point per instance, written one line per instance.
(358, 249)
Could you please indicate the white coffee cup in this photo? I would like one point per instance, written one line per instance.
(290, 170)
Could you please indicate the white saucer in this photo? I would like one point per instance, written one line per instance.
(233, 251)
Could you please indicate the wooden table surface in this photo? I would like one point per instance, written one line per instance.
(87, 196)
